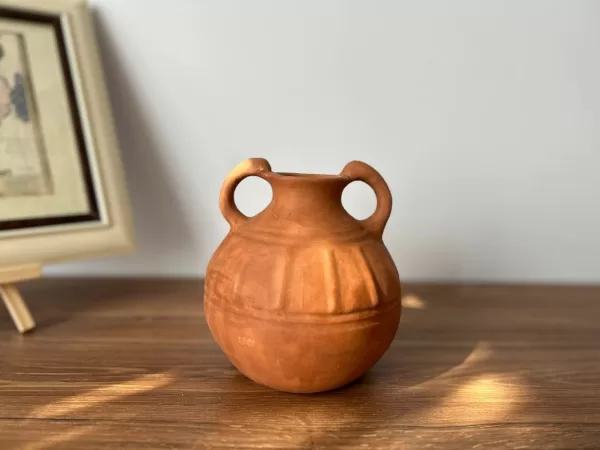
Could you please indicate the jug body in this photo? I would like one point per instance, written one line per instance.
(303, 297)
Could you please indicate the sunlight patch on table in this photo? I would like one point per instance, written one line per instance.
(413, 302)
(103, 395)
(61, 438)
(468, 396)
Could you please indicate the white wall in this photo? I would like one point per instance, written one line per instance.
(484, 117)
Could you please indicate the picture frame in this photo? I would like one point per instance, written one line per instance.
(63, 193)
(70, 123)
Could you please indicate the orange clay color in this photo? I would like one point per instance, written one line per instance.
(303, 297)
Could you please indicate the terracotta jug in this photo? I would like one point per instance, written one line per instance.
(303, 297)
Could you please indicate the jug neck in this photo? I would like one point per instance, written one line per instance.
(308, 194)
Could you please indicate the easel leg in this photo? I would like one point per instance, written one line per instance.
(16, 307)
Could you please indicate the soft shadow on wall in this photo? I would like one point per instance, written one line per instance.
(162, 231)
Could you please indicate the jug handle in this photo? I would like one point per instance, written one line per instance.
(251, 167)
(360, 171)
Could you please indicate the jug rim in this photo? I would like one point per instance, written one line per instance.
(307, 176)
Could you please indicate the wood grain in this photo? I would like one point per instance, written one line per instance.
(130, 364)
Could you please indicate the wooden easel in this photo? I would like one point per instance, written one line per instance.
(12, 298)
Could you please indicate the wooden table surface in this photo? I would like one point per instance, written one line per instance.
(130, 364)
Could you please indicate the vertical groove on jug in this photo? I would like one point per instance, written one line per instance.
(370, 280)
(331, 280)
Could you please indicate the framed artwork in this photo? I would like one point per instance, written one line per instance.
(62, 189)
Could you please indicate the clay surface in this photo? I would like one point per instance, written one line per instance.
(303, 297)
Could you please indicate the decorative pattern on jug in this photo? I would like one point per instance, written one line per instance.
(313, 278)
